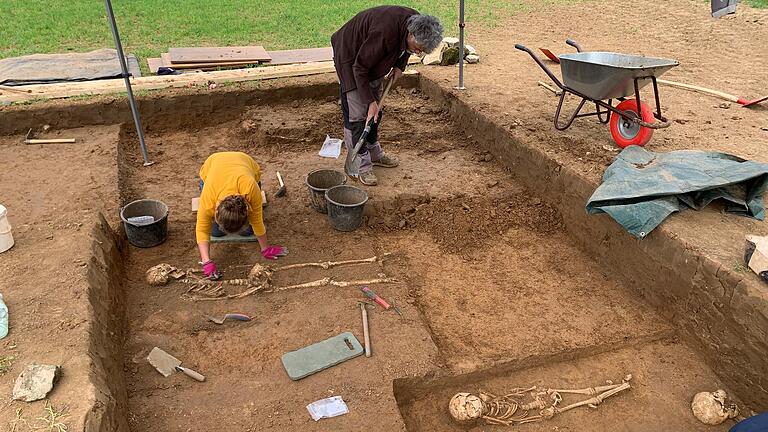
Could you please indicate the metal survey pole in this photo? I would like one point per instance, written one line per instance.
(461, 45)
(124, 68)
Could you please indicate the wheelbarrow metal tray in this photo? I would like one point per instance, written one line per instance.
(607, 75)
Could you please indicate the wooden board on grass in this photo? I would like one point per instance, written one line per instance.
(301, 56)
(154, 64)
(167, 63)
(243, 54)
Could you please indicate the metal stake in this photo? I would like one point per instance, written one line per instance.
(124, 68)
(461, 45)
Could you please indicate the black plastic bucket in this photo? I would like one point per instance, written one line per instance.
(145, 235)
(319, 181)
(345, 207)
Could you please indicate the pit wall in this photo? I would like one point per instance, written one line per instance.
(106, 331)
(176, 107)
(722, 314)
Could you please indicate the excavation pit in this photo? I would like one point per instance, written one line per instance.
(496, 288)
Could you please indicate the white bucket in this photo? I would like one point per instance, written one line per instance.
(6, 238)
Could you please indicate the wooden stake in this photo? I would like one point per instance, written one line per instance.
(366, 335)
(50, 141)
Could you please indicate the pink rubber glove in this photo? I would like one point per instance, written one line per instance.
(210, 270)
(274, 252)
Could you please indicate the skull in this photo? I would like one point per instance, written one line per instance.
(466, 407)
(158, 275)
(711, 408)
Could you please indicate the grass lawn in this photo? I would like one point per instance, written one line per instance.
(149, 27)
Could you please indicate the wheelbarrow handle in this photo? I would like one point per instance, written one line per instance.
(541, 64)
(574, 44)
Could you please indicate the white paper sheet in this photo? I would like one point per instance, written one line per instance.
(327, 408)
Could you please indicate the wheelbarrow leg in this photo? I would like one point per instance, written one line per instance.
(600, 113)
(573, 116)
(658, 104)
(637, 99)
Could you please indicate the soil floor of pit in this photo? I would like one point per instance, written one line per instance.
(486, 276)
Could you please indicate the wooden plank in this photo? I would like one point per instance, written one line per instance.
(300, 56)
(55, 91)
(100, 87)
(219, 54)
(166, 57)
(308, 55)
(154, 64)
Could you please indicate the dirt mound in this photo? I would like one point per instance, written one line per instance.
(462, 223)
(302, 123)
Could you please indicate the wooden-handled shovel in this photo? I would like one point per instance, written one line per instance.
(729, 97)
(353, 161)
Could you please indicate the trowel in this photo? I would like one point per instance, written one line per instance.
(166, 364)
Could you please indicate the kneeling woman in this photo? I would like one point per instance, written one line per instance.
(230, 202)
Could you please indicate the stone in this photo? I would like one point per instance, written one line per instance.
(470, 49)
(472, 58)
(450, 56)
(451, 41)
(435, 56)
(35, 382)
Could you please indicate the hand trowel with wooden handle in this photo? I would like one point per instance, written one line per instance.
(166, 364)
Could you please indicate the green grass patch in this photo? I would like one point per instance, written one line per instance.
(149, 27)
(762, 4)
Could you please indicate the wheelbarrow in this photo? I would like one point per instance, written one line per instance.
(601, 77)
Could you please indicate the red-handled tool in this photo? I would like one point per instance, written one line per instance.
(372, 295)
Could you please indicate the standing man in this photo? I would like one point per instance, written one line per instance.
(374, 43)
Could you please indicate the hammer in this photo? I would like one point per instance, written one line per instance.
(28, 140)
(283, 190)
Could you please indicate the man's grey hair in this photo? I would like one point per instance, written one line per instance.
(427, 31)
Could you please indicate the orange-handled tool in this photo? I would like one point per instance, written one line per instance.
(372, 295)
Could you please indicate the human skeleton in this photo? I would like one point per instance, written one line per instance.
(259, 279)
(512, 408)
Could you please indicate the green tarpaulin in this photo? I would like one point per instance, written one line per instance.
(641, 188)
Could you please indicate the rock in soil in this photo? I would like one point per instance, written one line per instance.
(35, 382)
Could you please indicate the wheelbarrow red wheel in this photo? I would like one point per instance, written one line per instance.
(626, 132)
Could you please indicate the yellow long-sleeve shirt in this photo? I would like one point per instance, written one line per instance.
(224, 174)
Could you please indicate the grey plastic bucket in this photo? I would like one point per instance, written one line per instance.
(318, 182)
(145, 235)
(345, 207)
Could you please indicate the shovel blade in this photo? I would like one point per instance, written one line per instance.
(163, 362)
(352, 165)
(747, 103)
(550, 55)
